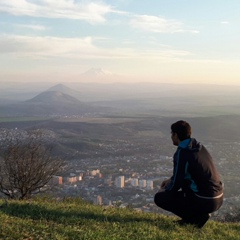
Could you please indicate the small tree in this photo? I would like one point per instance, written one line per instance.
(26, 165)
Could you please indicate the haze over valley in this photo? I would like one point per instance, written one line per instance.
(123, 129)
(143, 98)
(102, 81)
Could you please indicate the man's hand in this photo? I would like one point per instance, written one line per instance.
(165, 183)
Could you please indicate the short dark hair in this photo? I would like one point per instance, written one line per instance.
(182, 128)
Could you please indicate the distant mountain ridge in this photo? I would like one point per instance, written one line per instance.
(98, 75)
(50, 103)
(64, 89)
(54, 97)
(163, 99)
(60, 87)
(96, 72)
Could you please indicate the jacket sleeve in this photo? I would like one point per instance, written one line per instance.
(179, 169)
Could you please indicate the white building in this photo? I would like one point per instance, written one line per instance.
(149, 184)
(119, 182)
(72, 179)
(142, 183)
(94, 172)
(134, 182)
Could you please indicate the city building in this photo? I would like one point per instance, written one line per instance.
(72, 179)
(142, 183)
(149, 184)
(134, 182)
(94, 172)
(119, 181)
(56, 180)
(98, 200)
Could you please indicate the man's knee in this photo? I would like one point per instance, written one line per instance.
(161, 199)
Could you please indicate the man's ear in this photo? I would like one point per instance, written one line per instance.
(177, 138)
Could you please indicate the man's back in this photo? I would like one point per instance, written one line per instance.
(202, 170)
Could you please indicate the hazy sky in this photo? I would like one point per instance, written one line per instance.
(159, 40)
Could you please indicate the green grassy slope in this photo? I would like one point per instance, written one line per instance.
(46, 218)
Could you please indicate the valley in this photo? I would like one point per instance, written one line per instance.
(128, 137)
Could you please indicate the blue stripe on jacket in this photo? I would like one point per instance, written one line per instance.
(180, 171)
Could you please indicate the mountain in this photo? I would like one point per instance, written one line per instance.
(54, 97)
(96, 72)
(64, 89)
(50, 103)
(98, 75)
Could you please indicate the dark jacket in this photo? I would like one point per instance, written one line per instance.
(194, 171)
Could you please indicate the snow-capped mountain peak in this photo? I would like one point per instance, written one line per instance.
(96, 72)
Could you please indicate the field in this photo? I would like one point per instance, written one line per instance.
(22, 119)
(71, 218)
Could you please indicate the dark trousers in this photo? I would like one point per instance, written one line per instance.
(187, 206)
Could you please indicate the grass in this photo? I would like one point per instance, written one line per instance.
(71, 218)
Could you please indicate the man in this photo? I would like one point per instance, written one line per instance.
(194, 190)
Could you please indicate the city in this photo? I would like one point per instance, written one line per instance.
(132, 181)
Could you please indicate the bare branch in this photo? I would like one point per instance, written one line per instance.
(26, 164)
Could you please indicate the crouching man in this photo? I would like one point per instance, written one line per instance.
(195, 189)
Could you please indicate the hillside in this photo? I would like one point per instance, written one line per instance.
(50, 103)
(66, 90)
(54, 97)
(70, 218)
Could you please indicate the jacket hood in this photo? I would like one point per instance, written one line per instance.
(190, 144)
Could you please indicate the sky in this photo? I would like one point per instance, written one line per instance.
(174, 41)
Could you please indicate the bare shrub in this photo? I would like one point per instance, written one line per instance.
(26, 165)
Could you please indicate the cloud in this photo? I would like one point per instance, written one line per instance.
(89, 11)
(157, 24)
(30, 46)
(225, 22)
(76, 48)
(34, 27)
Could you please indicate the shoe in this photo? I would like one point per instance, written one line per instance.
(202, 220)
(198, 221)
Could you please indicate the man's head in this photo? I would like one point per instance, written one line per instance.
(181, 130)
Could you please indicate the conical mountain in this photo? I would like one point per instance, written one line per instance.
(67, 90)
(54, 97)
(50, 103)
(60, 87)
